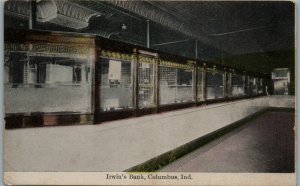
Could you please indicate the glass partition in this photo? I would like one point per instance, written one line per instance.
(255, 91)
(116, 87)
(184, 85)
(237, 84)
(260, 88)
(167, 85)
(252, 86)
(228, 84)
(176, 83)
(200, 84)
(247, 90)
(146, 67)
(215, 84)
(44, 78)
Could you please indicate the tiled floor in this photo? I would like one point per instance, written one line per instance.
(264, 144)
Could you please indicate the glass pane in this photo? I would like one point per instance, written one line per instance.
(146, 85)
(280, 73)
(260, 86)
(228, 84)
(184, 85)
(252, 86)
(116, 84)
(215, 87)
(175, 85)
(44, 82)
(246, 85)
(167, 85)
(255, 86)
(200, 85)
(237, 83)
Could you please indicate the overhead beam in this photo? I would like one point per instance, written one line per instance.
(171, 42)
(148, 34)
(32, 14)
(243, 30)
(196, 49)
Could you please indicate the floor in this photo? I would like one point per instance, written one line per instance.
(264, 144)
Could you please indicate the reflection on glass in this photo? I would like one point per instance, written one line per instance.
(200, 85)
(252, 89)
(254, 86)
(175, 85)
(184, 85)
(260, 86)
(228, 84)
(215, 87)
(47, 82)
(237, 84)
(146, 85)
(116, 84)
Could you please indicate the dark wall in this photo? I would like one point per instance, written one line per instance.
(264, 62)
(261, 62)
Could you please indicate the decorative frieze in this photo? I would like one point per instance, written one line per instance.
(47, 48)
(116, 55)
(176, 65)
(145, 59)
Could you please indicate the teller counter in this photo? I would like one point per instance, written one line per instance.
(56, 79)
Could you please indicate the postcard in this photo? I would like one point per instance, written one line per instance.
(149, 92)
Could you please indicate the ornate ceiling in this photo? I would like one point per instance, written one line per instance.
(220, 28)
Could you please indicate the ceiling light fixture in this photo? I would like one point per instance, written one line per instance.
(124, 27)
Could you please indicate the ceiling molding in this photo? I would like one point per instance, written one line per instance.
(61, 12)
(75, 11)
(46, 11)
